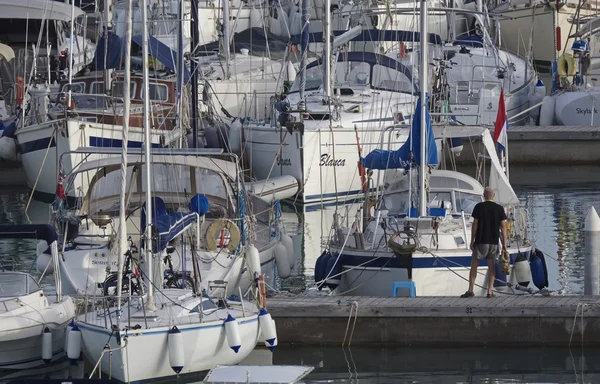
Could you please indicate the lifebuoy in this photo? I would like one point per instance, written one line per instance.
(216, 226)
(566, 65)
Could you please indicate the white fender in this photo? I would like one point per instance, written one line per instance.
(42, 261)
(547, 111)
(73, 342)
(176, 355)
(47, 345)
(288, 243)
(235, 136)
(8, 148)
(253, 260)
(232, 330)
(281, 259)
(267, 327)
(523, 272)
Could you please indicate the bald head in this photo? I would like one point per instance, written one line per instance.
(488, 193)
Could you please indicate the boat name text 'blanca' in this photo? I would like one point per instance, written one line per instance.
(281, 161)
(328, 161)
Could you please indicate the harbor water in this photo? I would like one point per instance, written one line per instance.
(557, 200)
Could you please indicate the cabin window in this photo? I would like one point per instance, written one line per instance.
(352, 73)
(158, 92)
(396, 203)
(97, 88)
(75, 88)
(466, 201)
(118, 89)
(206, 305)
(17, 284)
(390, 79)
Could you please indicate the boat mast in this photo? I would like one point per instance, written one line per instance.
(327, 53)
(107, 29)
(180, 70)
(194, 71)
(305, 19)
(122, 246)
(423, 94)
(148, 155)
(226, 37)
(70, 51)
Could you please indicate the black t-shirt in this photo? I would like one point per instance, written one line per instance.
(489, 215)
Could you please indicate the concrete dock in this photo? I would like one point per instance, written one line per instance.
(512, 320)
(545, 145)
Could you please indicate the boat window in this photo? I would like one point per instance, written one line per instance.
(97, 88)
(396, 203)
(17, 284)
(117, 89)
(84, 101)
(440, 199)
(158, 92)
(390, 79)
(75, 88)
(466, 201)
(313, 79)
(206, 305)
(449, 182)
(352, 73)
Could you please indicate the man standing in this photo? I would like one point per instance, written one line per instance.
(488, 219)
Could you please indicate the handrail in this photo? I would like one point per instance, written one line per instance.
(106, 349)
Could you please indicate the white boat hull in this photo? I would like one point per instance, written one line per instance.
(145, 354)
(578, 108)
(21, 334)
(40, 154)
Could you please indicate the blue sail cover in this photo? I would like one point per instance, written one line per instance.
(400, 158)
(168, 226)
(29, 231)
(371, 35)
(161, 52)
(112, 45)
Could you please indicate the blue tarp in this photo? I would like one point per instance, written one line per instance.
(168, 226)
(114, 52)
(9, 131)
(372, 35)
(29, 231)
(400, 158)
(162, 53)
(469, 41)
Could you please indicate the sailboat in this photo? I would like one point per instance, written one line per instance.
(144, 332)
(418, 243)
(32, 322)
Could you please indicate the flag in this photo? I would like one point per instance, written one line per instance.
(501, 125)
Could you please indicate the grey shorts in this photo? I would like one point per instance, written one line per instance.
(486, 251)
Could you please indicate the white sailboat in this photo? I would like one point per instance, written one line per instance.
(424, 252)
(146, 334)
(32, 323)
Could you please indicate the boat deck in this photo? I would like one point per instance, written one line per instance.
(506, 319)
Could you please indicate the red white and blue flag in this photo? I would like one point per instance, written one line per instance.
(501, 125)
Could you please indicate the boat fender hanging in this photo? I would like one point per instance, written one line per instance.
(232, 330)
(271, 346)
(216, 226)
(321, 269)
(47, 345)
(267, 327)
(176, 353)
(69, 326)
(522, 270)
(281, 260)
(539, 274)
(333, 272)
(253, 259)
(288, 243)
(73, 343)
(566, 65)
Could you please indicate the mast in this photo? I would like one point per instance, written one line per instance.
(423, 94)
(305, 19)
(194, 70)
(180, 67)
(107, 29)
(327, 53)
(122, 246)
(148, 155)
(72, 31)
(226, 37)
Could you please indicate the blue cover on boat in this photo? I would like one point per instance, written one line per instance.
(199, 204)
(29, 231)
(162, 53)
(168, 226)
(400, 158)
(539, 273)
(469, 41)
(159, 208)
(114, 50)
(372, 35)
(9, 131)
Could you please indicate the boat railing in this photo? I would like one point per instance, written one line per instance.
(107, 350)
